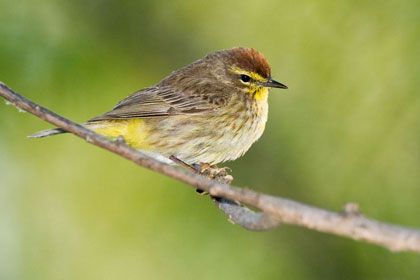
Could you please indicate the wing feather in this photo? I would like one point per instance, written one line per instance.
(160, 101)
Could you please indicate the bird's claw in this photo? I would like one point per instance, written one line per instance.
(219, 174)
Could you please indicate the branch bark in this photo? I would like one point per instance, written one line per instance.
(275, 210)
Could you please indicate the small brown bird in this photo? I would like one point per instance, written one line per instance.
(210, 111)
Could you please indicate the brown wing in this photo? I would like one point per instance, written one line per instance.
(161, 101)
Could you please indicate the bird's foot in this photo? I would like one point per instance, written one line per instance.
(213, 172)
(208, 170)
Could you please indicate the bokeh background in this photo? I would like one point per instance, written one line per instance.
(348, 129)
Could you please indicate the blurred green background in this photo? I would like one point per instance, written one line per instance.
(348, 129)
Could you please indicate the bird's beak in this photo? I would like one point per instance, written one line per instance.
(274, 84)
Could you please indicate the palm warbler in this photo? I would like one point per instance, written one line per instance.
(210, 111)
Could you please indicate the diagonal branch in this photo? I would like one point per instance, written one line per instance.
(349, 223)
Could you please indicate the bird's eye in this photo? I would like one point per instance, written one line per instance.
(245, 78)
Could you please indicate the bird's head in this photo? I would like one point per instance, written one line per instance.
(239, 69)
(246, 69)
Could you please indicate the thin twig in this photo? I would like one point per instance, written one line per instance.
(349, 223)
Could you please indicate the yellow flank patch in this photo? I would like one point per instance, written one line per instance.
(134, 131)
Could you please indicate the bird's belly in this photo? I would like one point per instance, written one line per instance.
(213, 139)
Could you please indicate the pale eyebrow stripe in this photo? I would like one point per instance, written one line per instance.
(253, 75)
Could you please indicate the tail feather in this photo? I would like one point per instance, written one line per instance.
(48, 132)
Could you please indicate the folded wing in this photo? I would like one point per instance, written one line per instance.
(160, 102)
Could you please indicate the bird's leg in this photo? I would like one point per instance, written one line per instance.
(183, 164)
(196, 168)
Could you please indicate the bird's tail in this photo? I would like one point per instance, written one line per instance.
(48, 132)
(55, 131)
